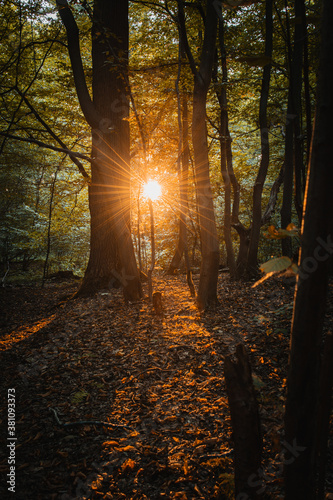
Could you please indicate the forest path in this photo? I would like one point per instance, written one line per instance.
(162, 377)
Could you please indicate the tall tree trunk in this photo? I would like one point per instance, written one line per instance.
(182, 170)
(293, 165)
(112, 256)
(225, 147)
(312, 285)
(307, 96)
(297, 95)
(288, 175)
(264, 162)
(207, 292)
(245, 420)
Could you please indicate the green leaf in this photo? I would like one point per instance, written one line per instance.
(276, 265)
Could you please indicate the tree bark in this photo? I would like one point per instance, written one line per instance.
(182, 170)
(112, 257)
(245, 422)
(207, 291)
(293, 140)
(252, 262)
(311, 289)
(225, 147)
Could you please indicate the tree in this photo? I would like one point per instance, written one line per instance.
(252, 263)
(111, 249)
(293, 164)
(207, 291)
(301, 413)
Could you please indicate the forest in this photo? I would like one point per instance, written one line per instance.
(166, 222)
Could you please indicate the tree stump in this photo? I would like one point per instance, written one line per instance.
(246, 426)
(157, 303)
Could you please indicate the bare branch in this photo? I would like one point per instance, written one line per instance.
(47, 146)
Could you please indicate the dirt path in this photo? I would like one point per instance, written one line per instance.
(159, 380)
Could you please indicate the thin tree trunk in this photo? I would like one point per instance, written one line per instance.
(312, 284)
(293, 164)
(152, 242)
(48, 245)
(307, 96)
(182, 170)
(270, 207)
(297, 96)
(225, 146)
(252, 257)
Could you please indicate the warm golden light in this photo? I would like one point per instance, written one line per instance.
(152, 190)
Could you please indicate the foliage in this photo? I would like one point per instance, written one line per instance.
(35, 64)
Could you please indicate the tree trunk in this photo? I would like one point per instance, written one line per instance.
(207, 291)
(225, 147)
(112, 256)
(311, 289)
(252, 262)
(293, 164)
(288, 174)
(297, 95)
(245, 422)
(244, 242)
(182, 170)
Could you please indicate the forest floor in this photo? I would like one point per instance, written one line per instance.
(158, 382)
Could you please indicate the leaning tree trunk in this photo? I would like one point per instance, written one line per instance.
(311, 292)
(112, 257)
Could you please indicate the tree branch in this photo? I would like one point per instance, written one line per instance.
(53, 134)
(89, 110)
(31, 140)
(183, 36)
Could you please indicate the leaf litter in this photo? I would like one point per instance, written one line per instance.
(159, 379)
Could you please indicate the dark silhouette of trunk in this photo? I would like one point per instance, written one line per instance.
(112, 257)
(252, 263)
(244, 242)
(247, 435)
(307, 96)
(182, 169)
(226, 154)
(293, 165)
(324, 413)
(298, 56)
(207, 291)
(272, 198)
(288, 174)
(301, 414)
(246, 264)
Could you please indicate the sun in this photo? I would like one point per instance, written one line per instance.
(152, 190)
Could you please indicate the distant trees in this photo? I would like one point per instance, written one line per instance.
(29, 225)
